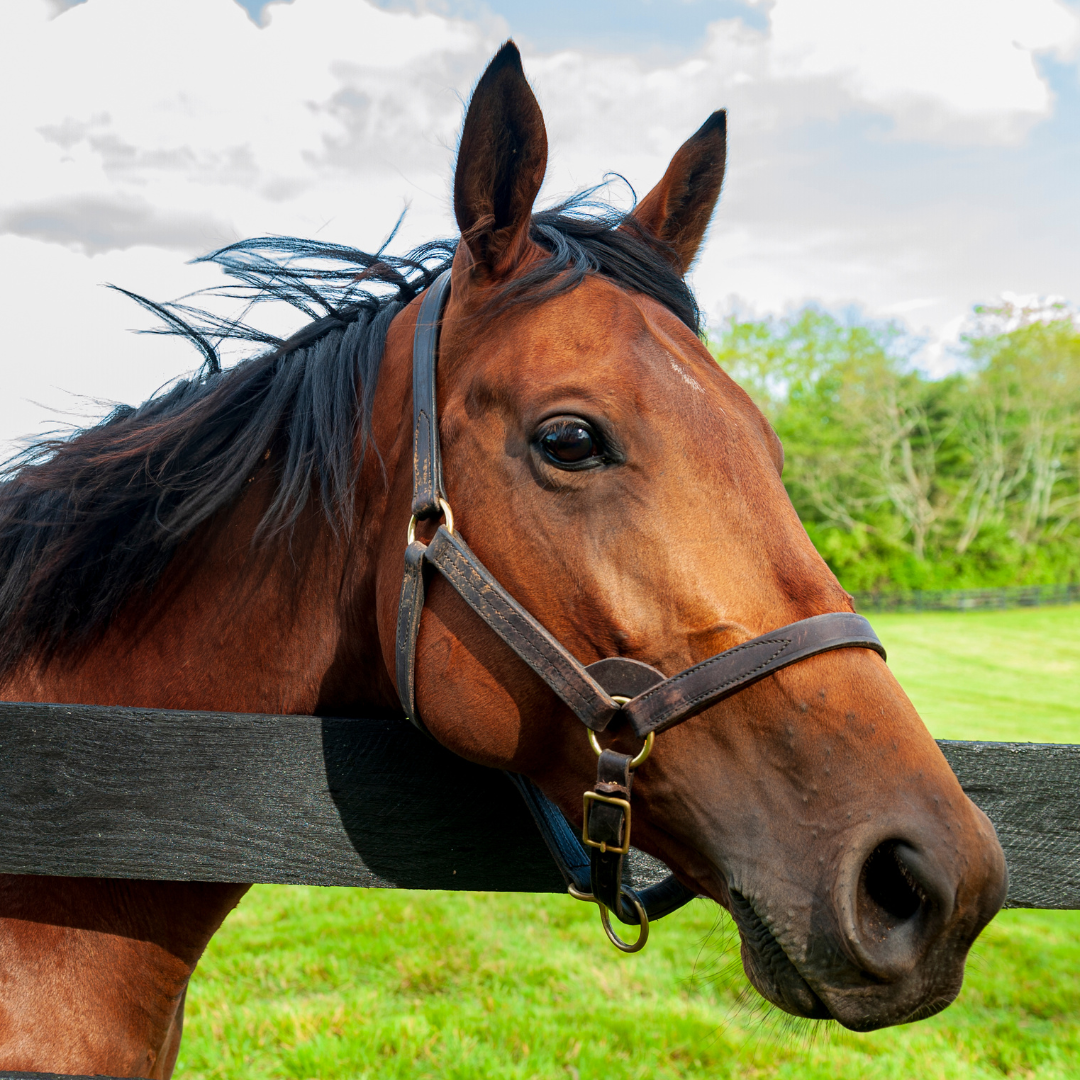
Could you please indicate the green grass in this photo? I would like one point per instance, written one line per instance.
(1009, 675)
(306, 982)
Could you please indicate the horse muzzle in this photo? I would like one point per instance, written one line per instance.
(887, 941)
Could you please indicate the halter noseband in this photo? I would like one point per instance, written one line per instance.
(615, 689)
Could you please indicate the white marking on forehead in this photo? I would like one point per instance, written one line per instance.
(667, 343)
(685, 376)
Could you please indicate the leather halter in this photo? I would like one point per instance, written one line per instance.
(602, 695)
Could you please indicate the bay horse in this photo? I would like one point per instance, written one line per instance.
(236, 543)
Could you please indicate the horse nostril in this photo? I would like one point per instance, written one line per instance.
(889, 892)
(902, 901)
(899, 902)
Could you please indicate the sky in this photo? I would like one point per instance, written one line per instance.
(908, 158)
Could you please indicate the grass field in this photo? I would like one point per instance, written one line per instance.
(1009, 675)
(305, 982)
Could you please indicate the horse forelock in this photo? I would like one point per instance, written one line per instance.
(88, 521)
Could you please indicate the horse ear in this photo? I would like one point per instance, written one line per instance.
(678, 209)
(501, 163)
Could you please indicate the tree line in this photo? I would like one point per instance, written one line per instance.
(907, 481)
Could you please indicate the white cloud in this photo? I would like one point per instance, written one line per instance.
(141, 132)
(138, 133)
(191, 105)
(94, 224)
(942, 68)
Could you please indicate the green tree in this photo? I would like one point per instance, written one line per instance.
(1024, 421)
(906, 480)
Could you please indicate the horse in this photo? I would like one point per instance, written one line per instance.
(236, 543)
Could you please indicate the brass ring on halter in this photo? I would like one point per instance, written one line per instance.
(641, 755)
(605, 921)
(447, 513)
(626, 946)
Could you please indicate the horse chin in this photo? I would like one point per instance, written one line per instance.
(769, 968)
(858, 1008)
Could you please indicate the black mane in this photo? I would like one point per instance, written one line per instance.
(88, 520)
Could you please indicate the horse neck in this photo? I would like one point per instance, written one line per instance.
(281, 625)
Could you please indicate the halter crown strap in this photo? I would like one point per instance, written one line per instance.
(427, 456)
(457, 563)
(427, 486)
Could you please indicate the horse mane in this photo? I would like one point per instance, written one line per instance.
(89, 520)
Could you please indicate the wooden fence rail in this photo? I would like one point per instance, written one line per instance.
(51, 1076)
(200, 796)
(1007, 596)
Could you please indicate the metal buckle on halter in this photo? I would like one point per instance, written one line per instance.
(602, 845)
(624, 804)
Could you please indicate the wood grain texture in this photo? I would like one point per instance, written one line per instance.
(53, 1076)
(197, 796)
(246, 797)
(1031, 792)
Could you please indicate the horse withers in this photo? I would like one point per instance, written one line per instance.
(237, 544)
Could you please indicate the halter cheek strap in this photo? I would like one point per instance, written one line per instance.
(609, 692)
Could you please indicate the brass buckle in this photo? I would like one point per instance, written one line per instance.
(592, 796)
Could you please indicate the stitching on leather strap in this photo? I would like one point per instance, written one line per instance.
(526, 637)
(738, 677)
(422, 462)
(485, 601)
(804, 648)
(689, 673)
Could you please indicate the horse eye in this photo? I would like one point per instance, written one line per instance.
(570, 442)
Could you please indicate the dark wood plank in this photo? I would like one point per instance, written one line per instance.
(199, 796)
(53, 1076)
(203, 796)
(1031, 792)
(246, 797)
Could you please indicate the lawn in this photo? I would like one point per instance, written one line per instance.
(307, 982)
(1008, 675)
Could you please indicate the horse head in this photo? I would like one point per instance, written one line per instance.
(628, 495)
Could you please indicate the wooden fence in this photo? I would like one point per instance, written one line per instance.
(202, 796)
(1011, 596)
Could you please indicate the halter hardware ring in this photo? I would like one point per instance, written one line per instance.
(642, 754)
(605, 921)
(447, 513)
(643, 933)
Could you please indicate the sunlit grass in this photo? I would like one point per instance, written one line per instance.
(307, 982)
(1009, 675)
